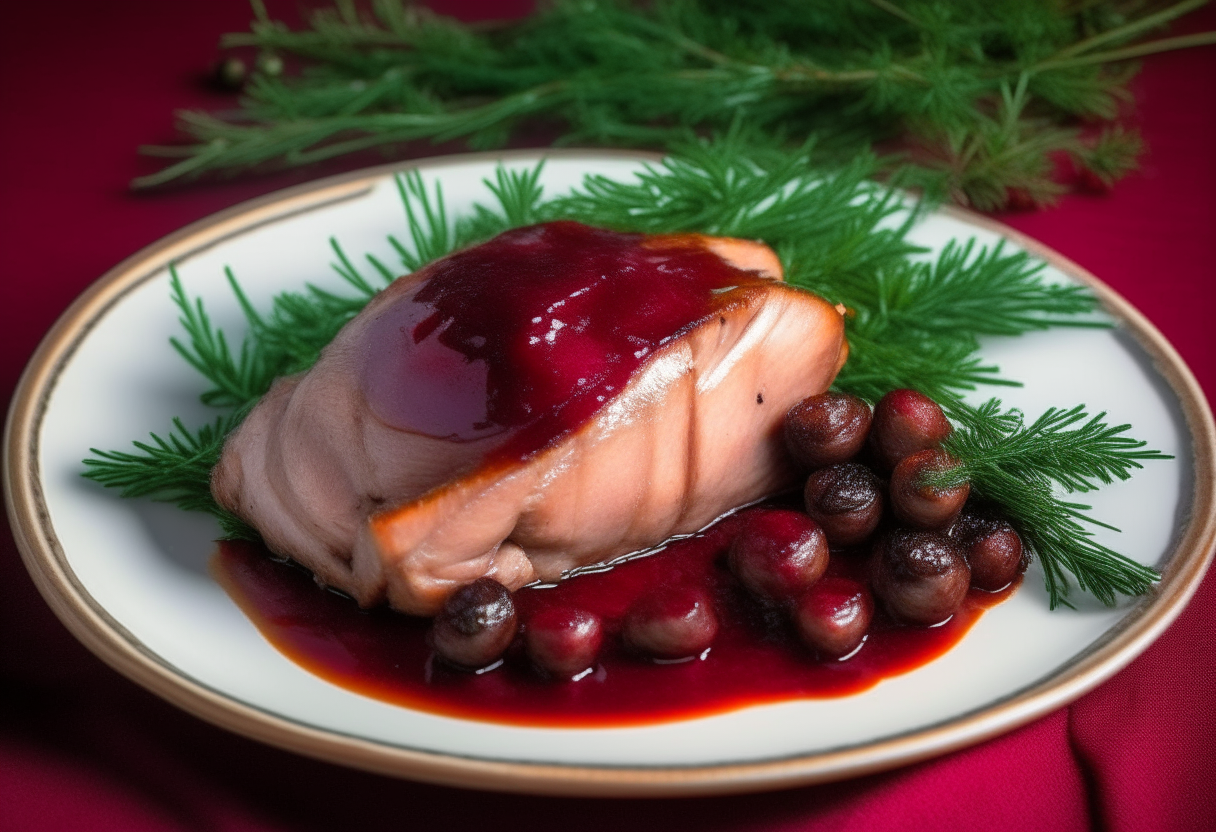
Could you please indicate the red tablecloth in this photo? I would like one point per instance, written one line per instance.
(82, 84)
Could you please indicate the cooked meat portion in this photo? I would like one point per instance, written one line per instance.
(558, 396)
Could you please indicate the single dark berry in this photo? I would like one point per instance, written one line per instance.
(921, 577)
(826, 429)
(778, 553)
(905, 422)
(920, 505)
(833, 616)
(476, 625)
(671, 623)
(228, 74)
(563, 642)
(993, 550)
(846, 501)
(972, 520)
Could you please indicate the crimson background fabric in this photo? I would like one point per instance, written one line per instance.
(82, 84)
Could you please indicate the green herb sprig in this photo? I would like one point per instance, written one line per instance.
(912, 322)
(1020, 467)
(175, 468)
(978, 96)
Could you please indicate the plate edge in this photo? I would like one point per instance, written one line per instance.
(103, 636)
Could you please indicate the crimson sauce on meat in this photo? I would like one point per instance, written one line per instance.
(756, 657)
(528, 335)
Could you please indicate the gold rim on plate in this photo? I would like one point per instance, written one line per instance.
(89, 622)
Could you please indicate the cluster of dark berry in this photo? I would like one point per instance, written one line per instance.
(926, 545)
(479, 622)
(864, 498)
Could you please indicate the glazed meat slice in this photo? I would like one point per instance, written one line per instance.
(558, 396)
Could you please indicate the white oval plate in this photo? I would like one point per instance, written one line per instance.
(130, 579)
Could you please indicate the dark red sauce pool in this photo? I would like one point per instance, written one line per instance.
(755, 658)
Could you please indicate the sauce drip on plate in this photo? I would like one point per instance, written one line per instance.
(755, 658)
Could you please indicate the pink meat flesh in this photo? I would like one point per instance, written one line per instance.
(558, 396)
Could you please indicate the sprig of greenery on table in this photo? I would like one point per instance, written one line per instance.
(912, 321)
(980, 96)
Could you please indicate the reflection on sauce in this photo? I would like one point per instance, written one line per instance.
(755, 658)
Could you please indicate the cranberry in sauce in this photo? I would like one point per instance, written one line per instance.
(826, 429)
(778, 553)
(671, 623)
(846, 501)
(475, 625)
(921, 577)
(833, 616)
(563, 641)
(905, 422)
(993, 549)
(918, 504)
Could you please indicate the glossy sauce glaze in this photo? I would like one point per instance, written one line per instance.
(528, 335)
(755, 658)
